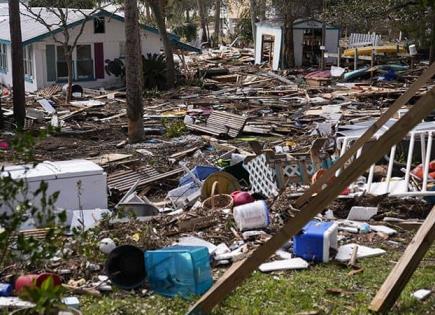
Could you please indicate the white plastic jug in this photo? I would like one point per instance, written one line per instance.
(254, 215)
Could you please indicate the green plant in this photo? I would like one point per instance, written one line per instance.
(154, 71)
(244, 28)
(174, 128)
(18, 205)
(47, 298)
(18, 208)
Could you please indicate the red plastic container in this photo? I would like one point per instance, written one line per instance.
(241, 198)
(29, 280)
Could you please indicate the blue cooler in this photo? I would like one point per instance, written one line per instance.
(179, 270)
(314, 241)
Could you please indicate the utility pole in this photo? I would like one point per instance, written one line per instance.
(18, 89)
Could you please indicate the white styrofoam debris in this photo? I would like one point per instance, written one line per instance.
(286, 264)
(234, 255)
(344, 252)
(362, 213)
(421, 294)
(383, 229)
(222, 248)
(283, 254)
(196, 241)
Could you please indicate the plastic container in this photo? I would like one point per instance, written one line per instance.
(5, 289)
(125, 267)
(315, 240)
(34, 279)
(242, 197)
(254, 215)
(179, 270)
(201, 172)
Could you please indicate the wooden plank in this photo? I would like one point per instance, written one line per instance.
(234, 277)
(405, 267)
(367, 136)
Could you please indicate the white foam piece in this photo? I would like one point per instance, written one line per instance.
(383, 229)
(421, 294)
(345, 252)
(286, 264)
(196, 241)
(362, 213)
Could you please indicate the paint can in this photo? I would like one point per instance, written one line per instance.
(254, 215)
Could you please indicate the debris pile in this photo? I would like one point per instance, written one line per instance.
(218, 173)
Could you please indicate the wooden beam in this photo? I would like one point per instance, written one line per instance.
(405, 267)
(235, 276)
(367, 136)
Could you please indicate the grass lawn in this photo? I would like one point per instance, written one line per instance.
(304, 292)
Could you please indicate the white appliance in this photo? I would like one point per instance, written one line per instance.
(81, 184)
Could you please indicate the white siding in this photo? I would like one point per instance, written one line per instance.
(111, 39)
(6, 78)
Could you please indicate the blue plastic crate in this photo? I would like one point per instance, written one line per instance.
(314, 241)
(179, 270)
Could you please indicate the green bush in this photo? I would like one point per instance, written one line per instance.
(154, 71)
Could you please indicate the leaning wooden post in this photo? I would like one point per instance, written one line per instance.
(339, 56)
(405, 267)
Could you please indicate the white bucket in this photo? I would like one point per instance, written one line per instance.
(412, 50)
(254, 215)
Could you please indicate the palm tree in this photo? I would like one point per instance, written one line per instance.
(158, 8)
(133, 73)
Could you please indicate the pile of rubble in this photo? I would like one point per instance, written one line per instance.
(219, 170)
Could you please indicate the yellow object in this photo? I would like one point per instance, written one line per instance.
(367, 51)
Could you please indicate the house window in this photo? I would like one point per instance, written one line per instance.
(99, 25)
(85, 64)
(3, 58)
(28, 63)
(61, 65)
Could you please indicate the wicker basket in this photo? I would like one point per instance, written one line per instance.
(219, 201)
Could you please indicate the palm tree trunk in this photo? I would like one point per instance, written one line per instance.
(157, 8)
(217, 22)
(253, 14)
(288, 55)
(133, 72)
(202, 19)
(18, 88)
(69, 65)
(432, 34)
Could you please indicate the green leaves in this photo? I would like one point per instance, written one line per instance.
(47, 297)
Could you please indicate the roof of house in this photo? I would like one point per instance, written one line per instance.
(33, 31)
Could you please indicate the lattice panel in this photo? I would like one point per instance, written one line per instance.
(262, 176)
(296, 170)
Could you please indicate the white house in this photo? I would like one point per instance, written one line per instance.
(103, 38)
(307, 39)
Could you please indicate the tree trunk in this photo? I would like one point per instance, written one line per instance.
(157, 8)
(187, 16)
(217, 22)
(253, 13)
(18, 88)
(288, 54)
(133, 72)
(432, 35)
(68, 59)
(201, 10)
